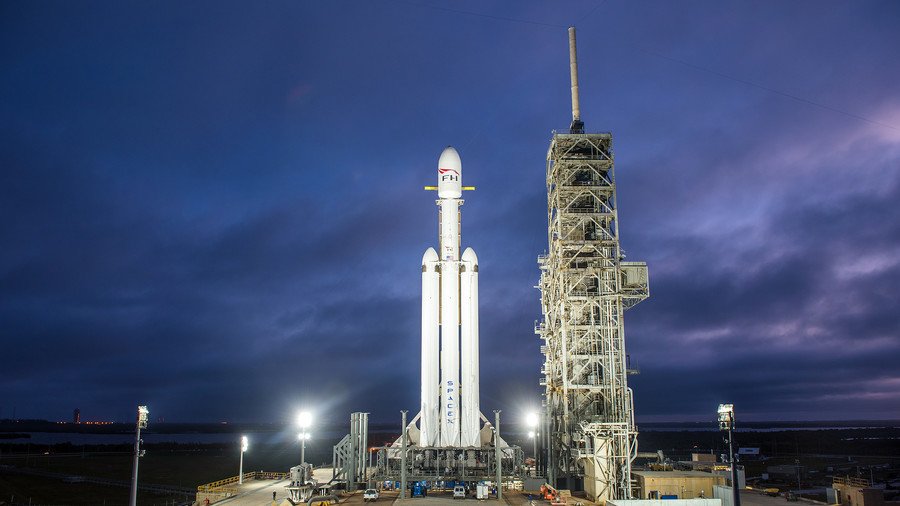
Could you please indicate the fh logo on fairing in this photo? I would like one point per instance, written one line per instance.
(448, 174)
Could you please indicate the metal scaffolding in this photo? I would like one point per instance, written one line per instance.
(350, 454)
(406, 461)
(585, 288)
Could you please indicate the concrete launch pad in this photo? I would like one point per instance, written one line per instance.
(257, 492)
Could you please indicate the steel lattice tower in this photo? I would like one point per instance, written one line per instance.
(585, 289)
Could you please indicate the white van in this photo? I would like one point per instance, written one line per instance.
(459, 492)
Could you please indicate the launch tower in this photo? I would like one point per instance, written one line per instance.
(589, 431)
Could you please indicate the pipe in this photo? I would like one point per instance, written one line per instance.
(498, 455)
(403, 459)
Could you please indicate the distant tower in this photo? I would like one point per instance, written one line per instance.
(76, 416)
(585, 289)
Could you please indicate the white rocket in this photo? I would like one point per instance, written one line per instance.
(450, 415)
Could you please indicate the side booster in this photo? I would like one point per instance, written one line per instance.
(450, 415)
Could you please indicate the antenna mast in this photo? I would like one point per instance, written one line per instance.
(577, 126)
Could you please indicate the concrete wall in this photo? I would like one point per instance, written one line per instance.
(726, 494)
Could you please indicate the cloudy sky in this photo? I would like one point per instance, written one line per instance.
(216, 208)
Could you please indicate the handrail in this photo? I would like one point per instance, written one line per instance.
(850, 481)
(219, 486)
(211, 486)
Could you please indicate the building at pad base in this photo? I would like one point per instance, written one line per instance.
(589, 434)
(681, 484)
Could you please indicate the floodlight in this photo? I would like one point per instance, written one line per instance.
(532, 419)
(143, 416)
(531, 434)
(304, 419)
(245, 443)
(726, 416)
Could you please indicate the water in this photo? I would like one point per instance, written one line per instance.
(149, 437)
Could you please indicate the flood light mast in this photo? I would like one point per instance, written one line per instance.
(303, 437)
(726, 425)
(244, 446)
(143, 414)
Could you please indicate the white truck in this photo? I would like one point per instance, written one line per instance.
(370, 495)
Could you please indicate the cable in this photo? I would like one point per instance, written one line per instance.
(590, 12)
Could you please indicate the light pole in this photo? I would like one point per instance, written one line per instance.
(244, 445)
(533, 420)
(726, 425)
(403, 490)
(533, 437)
(142, 415)
(497, 455)
(304, 420)
(303, 437)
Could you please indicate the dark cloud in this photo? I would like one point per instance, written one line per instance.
(218, 210)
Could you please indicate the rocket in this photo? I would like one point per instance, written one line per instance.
(450, 412)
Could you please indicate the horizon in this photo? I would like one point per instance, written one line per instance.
(516, 423)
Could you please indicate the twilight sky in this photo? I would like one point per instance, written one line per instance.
(216, 208)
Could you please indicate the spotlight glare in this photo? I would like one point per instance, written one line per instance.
(304, 419)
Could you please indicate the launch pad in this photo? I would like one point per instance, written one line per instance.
(436, 465)
(493, 460)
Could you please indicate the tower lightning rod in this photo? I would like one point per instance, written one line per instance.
(577, 126)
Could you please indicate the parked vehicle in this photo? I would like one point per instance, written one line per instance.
(370, 495)
(459, 492)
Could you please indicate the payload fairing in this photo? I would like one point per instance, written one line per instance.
(450, 415)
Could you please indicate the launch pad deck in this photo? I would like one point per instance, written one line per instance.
(448, 464)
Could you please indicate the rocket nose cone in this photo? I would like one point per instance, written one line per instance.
(430, 256)
(450, 160)
(449, 174)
